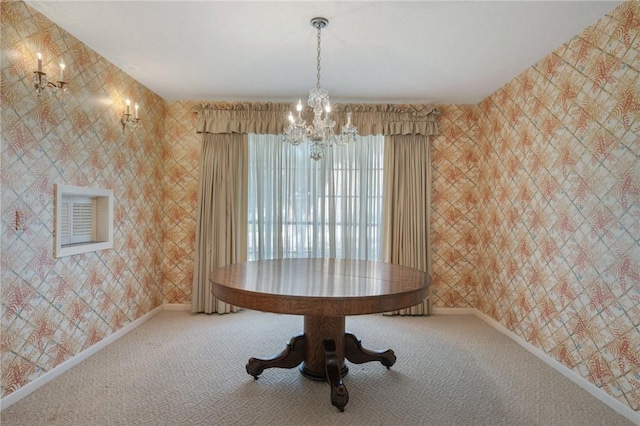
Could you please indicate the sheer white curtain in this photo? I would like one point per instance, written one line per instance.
(298, 207)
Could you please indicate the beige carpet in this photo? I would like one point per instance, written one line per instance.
(181, 369)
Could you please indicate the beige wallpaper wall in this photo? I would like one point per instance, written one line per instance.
(559, 218)
(181, 198)
(454, 206)
(455, 154)
(52, 309)
(535, 212)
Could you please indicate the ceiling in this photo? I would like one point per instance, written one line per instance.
(442, 52)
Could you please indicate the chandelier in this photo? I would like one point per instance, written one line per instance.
(320, 133)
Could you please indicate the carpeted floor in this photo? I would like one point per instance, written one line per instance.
(184, 369)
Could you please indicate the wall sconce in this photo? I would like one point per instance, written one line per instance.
(131, 121)
(40, 80)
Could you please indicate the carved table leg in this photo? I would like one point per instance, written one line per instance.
(339, 393)
(321, 352)
(355, 353)
(317, 330)
(290, 357)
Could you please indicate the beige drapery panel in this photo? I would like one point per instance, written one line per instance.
(221, 227)
(406, 127)
(406, 209)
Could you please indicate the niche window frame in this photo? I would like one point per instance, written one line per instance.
(92, 210)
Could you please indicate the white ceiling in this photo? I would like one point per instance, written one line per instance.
(443, 52)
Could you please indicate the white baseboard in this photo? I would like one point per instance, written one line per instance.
(607, 399)
(177, 306)
(59, 369)
(453, 311)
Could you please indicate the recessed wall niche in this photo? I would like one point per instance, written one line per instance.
(83, 220)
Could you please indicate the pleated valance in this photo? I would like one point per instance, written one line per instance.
(271, 118)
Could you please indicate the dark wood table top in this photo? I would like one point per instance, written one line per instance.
(320, 287)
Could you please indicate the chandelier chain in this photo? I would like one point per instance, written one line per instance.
(318, 59)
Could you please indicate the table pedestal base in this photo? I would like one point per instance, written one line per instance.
(320, 352)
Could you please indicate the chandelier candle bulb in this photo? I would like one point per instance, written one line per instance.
(128, 102)
(62, 71)
(39, 62)
(135, 109)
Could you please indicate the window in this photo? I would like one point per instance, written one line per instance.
(299, 207)
(83, 220)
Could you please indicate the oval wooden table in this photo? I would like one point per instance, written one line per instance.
(324, 291)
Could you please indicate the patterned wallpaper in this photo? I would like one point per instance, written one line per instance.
(182, 153)
(454, 203)
(558, 250)
(52, 309)
(535, 212)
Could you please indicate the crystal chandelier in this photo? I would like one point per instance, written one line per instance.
(319, 133)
